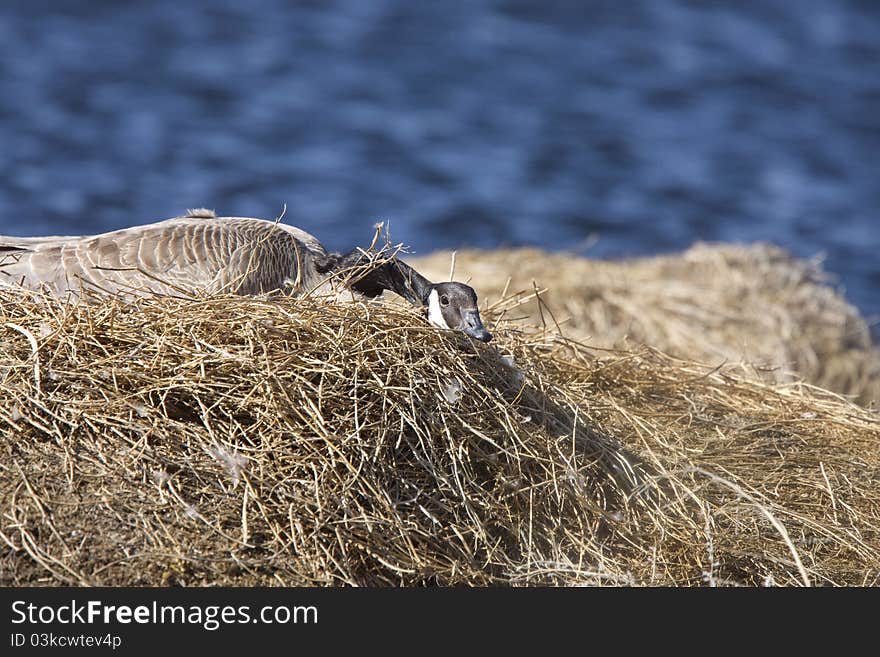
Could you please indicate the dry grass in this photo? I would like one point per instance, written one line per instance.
(756, 307)
(245, 441)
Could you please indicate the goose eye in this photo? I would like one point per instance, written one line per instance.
(444, 300)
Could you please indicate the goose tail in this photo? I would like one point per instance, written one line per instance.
(28, 261)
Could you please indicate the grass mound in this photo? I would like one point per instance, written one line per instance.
(244, 441)
(754, 306)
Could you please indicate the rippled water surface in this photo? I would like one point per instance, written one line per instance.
(602, 127)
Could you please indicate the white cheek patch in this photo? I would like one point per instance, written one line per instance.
(435, 315)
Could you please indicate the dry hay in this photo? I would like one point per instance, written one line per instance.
(755, 306)
(244, 441)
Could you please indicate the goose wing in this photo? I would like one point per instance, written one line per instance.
(182, 255)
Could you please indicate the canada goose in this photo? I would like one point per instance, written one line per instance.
(200, 251)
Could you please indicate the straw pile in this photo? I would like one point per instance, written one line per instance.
(754, 306)
(250, 441)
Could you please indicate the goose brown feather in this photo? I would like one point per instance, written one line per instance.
(196, 252)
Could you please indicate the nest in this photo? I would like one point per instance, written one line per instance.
(247, 441)
(773, 316)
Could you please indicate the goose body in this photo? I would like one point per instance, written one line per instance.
(195, 252)
(202, 253)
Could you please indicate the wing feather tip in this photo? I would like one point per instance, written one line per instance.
(200, 213)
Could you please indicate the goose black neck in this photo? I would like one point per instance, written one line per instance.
(408, 283)
(393, 274)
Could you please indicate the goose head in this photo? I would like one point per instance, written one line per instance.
(453, 306)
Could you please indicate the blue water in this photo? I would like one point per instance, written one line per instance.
(608, 128)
